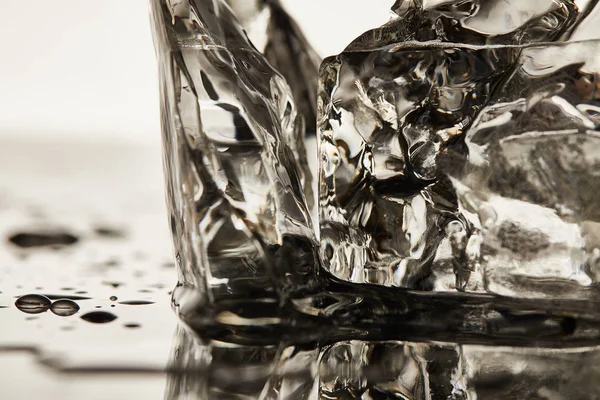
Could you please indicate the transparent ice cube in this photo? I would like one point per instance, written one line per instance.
(458, 166)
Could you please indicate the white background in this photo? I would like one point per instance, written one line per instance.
(85, 69)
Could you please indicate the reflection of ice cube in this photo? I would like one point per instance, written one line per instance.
(357, 369)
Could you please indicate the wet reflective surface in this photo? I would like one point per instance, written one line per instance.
(62, 325)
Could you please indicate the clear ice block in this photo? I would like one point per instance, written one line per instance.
(468, 166)
(277, 35)
(234, 149)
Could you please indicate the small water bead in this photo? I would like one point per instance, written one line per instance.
(136, 302)
(132, 325)
(110, 232)
(64, 307)
(113, 298)
(99, 317)
(112, 263)
(66, 296)
(33, 303)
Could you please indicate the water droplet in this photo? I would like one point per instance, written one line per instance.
(113, 298)
(42, 239)
(112, 263)
(81, 292)
(145, 291)
(64, 307)
(33, 303)
(98, 307)
(132, 325)
(112, 305)
(113, 284)
(66, 296)
(136, 302)
(110, 233)
(99, 317)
